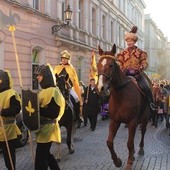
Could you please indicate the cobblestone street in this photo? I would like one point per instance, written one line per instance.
(91, 152)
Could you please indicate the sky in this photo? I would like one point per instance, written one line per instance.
(160, 14)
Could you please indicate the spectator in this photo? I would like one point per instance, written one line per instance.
(91, 104)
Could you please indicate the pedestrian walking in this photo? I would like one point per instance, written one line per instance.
(10, 106)
(52, 107)
(91, 104)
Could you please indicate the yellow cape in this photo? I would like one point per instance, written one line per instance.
(72, 76)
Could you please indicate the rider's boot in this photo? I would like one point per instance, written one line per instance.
(77, 112)
(147, 91)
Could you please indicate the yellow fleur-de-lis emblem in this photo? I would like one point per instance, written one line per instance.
(29, 108)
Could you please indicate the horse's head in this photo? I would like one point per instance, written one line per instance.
(107, 68)
(62, 83)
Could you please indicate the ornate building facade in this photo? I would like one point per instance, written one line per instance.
(94, 22)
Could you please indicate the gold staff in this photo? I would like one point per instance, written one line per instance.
(6, 141)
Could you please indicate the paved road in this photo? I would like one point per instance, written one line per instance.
(91, 152)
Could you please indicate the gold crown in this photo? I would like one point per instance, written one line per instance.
(65, 54)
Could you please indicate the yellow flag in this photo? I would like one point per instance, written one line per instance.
(93, 67)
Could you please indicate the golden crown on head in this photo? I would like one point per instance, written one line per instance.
(65, 54)
(132, 34)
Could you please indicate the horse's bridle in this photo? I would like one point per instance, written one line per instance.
(110, 78)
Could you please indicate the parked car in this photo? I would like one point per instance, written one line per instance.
(23, 138)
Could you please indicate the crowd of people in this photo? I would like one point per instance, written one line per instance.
(132, 61)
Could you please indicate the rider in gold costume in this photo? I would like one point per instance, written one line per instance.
(133, 62)
(65, 67)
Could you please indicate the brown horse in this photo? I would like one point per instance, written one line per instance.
(127, 104)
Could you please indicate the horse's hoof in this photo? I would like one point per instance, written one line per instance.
(58, 159)
(118, 163)
(141, 152)
(128, 167)
(71, 151)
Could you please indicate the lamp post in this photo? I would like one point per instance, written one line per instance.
(67, 15)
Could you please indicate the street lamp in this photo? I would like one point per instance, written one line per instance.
(67, 15)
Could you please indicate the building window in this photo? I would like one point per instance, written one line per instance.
(63, 9)
(112, 32)
(80, 59)
(35, 64)
(47, 6)
(93, 21)
(104, 27)
(36, 4)
(81, 14)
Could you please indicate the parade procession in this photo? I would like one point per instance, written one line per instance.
(84, 84)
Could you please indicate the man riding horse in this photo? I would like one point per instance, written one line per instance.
(133, 62)
(64, 68)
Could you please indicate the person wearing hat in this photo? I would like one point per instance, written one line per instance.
(133, 62)
(52, 106)
(64, 68)
(10, 106)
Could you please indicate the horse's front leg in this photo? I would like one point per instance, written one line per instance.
(113, 127)
(130, 144)
(143, 131)
(69, 139)
(58, 153)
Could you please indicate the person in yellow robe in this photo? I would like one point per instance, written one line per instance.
(65, 67)
(52, 106)
(10, 106)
